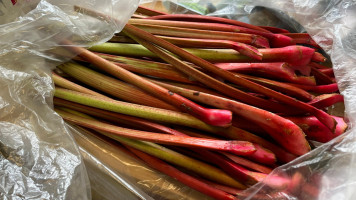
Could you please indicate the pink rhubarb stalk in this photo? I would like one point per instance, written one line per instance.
(242, 48)
(276, 40)
(278, 70)
(235, 147)
(206, 19)
(211, 116)
(261, 154)
(254, 40)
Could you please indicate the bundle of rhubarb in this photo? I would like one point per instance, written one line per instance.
(215, 103)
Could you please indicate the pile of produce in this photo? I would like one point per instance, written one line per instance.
(215, 103)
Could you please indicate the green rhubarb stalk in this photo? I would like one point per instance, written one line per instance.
(149, 68)
(212, 55)
(64, 83)
(120, 119)
(211, 116)
(236, 147)
(113, 86)
(242, 48)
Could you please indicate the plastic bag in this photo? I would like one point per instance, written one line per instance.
(38, 156)
(326, 172)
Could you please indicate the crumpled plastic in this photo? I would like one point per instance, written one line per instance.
(328, 171)
(39, 158)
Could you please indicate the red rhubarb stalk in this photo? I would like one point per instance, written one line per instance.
(318, 57)
(282, 130)
(211, 116)
(302, 38)
(276, 40)
(236, 171)
(249, 164)
(275, 29)
(254, 40)
(236, 147)
(316, 130)
(182, 177)
(326, 100)
(321, 78)
(278, 70)
(224, 188)
(206, 19)
(322, 89)
(286, 88)
(328, 71)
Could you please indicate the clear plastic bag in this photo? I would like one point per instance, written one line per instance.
(39, 158)
(328, 171)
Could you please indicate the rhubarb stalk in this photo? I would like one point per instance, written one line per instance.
(206, 19)
(211, 116)
(281, 71)
(250, 39)
(303, 51)
(113, 86)
(182, 177)
(282, 130)
(236, 147)
(276, 40)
